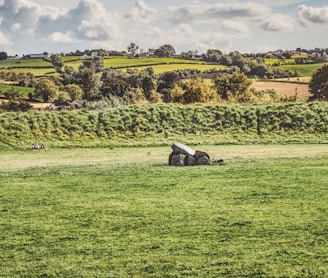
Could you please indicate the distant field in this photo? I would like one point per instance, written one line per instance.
(171, 67)
(27, 63)
(138, 63)
(284, 88)
(271, 61)
(36, 71)
(38, 67)
(24, 90)
(302, 70)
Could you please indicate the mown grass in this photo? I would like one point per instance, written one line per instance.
(250, 217)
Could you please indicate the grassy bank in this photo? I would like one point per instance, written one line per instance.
(254, 216)
(162, 124)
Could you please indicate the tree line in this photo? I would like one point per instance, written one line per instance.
(100, 86)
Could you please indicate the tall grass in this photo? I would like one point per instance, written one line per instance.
(155, 123)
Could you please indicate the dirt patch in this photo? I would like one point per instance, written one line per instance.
(38, 105)
(284, 88)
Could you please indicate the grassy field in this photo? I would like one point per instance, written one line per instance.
(24, 63)
(23, 90)
(302, 70)
(159, 69)
(123, 212)
(159, 65)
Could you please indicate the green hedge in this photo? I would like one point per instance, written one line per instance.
(162, 121)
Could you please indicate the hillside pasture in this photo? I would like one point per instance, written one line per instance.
(37, 72)
(159, 69)
(24, 63)
(277, 61)
(38, 67)
(125, 213)
(301, 70)
(159, 65)
(23, 90)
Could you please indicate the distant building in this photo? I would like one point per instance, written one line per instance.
(35, 56)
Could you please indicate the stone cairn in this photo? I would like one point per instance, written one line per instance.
(183, 155)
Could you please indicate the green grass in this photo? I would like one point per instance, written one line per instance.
(271, 61)
(159, 69)
(254, 216)
(38, 72)
(302, 70)
(24, 63)
(38, 67)
(124, 63)
(24, 90)
(155, 124)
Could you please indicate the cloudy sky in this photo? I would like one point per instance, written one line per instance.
(36, 26)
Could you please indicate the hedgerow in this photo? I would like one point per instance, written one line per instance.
(164, 120)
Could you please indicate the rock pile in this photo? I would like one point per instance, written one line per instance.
(183, 155)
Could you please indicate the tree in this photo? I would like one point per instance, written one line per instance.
(165, 50)
(319, 84)
(74, 91)
(132, 49)
(96, 63)
(90, 83)
(232, 86)
(113, 84)
(3, 55)
(197, 90)
(16, 101)
(26, 79)
(46, 90)
(168, 79)
(213, 55)
(62, 98)
(57, 62)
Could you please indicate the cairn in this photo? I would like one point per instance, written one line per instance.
(183, 155)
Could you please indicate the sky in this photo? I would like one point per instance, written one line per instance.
(61, 26)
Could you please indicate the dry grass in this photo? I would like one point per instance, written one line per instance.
(284, 88)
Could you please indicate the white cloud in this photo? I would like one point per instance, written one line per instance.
(15, 27)
(197, 11)
(60, 25)
(311, 14)
(235, 26)
(278, 22)
(21, 13)
(59, 37)
(140, 13)
(4, 41)
(154, 32)
(88, 21)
